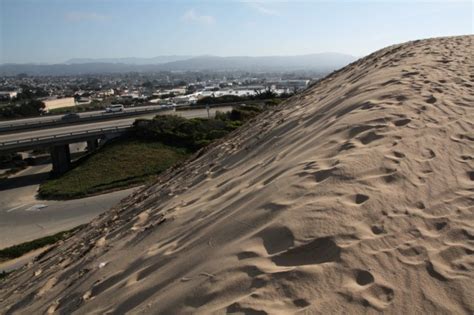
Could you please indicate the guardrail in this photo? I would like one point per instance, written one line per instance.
(68, 137)
(63, 137)
(83, 118)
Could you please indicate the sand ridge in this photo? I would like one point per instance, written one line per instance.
(356, 196)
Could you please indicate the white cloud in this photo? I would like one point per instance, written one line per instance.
(263, 9)
(193, 16)
(85, 16)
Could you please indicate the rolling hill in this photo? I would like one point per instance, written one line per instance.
(320, 62)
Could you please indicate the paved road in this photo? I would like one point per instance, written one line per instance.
(24, 218)
(104, 124)
(58, 117)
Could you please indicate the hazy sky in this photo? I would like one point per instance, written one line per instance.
(49, 31)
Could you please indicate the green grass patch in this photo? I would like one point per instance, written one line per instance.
(122, 163)
(19, 250)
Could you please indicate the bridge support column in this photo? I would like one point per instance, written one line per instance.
(92, 145)
(61, 158)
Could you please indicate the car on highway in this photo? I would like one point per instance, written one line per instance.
(114, 108)
(168, 106)
(70, 116)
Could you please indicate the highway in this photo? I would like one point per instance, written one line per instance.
(45, 132)
(52, 118)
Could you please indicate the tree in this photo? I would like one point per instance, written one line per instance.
(32, 108)
(28, 109)
(265, 95)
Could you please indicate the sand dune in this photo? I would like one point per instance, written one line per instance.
(354, 197)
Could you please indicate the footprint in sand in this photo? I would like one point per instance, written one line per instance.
(431, 100)
(367, 291)
(401, 122)
(321, 175)
(277, 239)
(237, 308)
(370, 137)
(401, 98)
(377, 229)
(301, 303)
(363, 277)
(412, 254)
(433, 272)
(420, 205)
(440, 225)
(410, 73)
(348, 145)
(354, 131)
(470, 175)
(380, 296)
(398, 154)
(319, 251)
(360, 198)
(246, 255)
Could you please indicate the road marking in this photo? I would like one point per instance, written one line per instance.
(36, 207)
(14, 208)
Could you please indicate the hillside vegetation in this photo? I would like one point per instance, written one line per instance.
(120, 164)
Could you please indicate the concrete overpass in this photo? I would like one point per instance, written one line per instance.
(41, 122)
(57, 139)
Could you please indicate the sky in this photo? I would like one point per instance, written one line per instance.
(53, 31)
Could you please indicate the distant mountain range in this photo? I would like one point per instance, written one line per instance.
(319, 62)
(130, 60)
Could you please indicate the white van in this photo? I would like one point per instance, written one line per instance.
(114, 108)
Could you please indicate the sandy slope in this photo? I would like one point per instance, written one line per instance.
(354, 197)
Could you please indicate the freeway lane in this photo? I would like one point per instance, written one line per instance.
(46, 119)
(104, 124)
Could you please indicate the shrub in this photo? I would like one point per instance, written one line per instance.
(27, 109)
(191, 134)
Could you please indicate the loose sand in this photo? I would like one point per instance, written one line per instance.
(353, 197)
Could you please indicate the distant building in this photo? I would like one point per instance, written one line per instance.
(130, 96)
(184, 100)
(290, 84)
(105, 93)
(8, 95)
(251, 87)
(52, 103)
(178, 91)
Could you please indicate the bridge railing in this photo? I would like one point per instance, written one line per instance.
(83, 118)
(68, 136)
